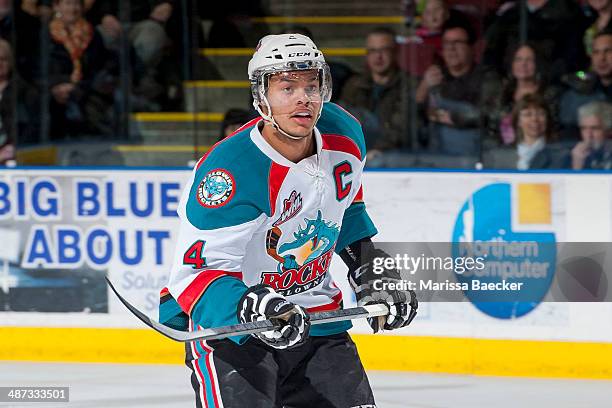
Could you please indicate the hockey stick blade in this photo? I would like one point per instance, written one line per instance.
(248, 328)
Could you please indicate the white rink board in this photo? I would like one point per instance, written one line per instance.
(406, 206)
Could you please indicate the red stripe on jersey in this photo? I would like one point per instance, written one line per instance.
(359, 197)
(198, 286)
(164, 292)
(341, 143)
(276, 176)
(334, 305)
(240, 129)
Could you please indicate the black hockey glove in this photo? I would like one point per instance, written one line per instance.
(403, 304)
(261, 302)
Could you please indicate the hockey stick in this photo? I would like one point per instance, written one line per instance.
(250, 328)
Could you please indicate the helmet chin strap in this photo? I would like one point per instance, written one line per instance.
(270, 118)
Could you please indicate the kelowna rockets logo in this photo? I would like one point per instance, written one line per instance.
(303, 262)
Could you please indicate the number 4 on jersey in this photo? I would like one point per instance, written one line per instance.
(193, 256)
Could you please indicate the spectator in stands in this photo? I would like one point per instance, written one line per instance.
(22, 31)
(80, 74)
(554, 25)
(594, 152)
(377, 98)
(42, 9)
(532, 124)
(587, 87)
(19, 102)
(155, 40)
(7, 136)
(104, 15)
(149, 36)
(7, 151)
(233, 119)
(18, 107)
(149, 20)
(599, 19)
(526, 75)
(451, 96)
(434, 16)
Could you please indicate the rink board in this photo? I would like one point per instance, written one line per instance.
(555, 339)
(403, 353)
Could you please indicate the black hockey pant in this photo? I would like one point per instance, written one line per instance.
(324, 372)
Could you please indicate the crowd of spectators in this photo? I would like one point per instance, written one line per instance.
(531, 79)
(534, 83)
(378, 97)
(61, 61)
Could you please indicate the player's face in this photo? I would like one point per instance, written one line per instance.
(532, 122)
(523, 64)
(381, 51)
(601, 57)
(592, 131)
(295, 99)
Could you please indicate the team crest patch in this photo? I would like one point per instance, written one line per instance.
(216, 189)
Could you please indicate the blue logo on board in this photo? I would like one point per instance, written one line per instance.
(510, 225)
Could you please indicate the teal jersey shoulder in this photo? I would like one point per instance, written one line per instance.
(230, 186)
(336, 120)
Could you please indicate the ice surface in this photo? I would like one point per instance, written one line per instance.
(140, 386)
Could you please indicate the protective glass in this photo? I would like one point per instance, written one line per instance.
(287, 89)
(294, 70)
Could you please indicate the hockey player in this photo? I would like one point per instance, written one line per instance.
(261, 218)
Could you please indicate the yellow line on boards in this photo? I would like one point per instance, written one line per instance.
(412, 353)
(88, 345)
(37, 155)
(520, 358)
(177, 117)
(344, 52)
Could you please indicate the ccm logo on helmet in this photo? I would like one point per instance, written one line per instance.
(299, 54)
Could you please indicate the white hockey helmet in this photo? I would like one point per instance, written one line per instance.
(282, 53)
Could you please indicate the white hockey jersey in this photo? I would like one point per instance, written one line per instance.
(250, 216)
